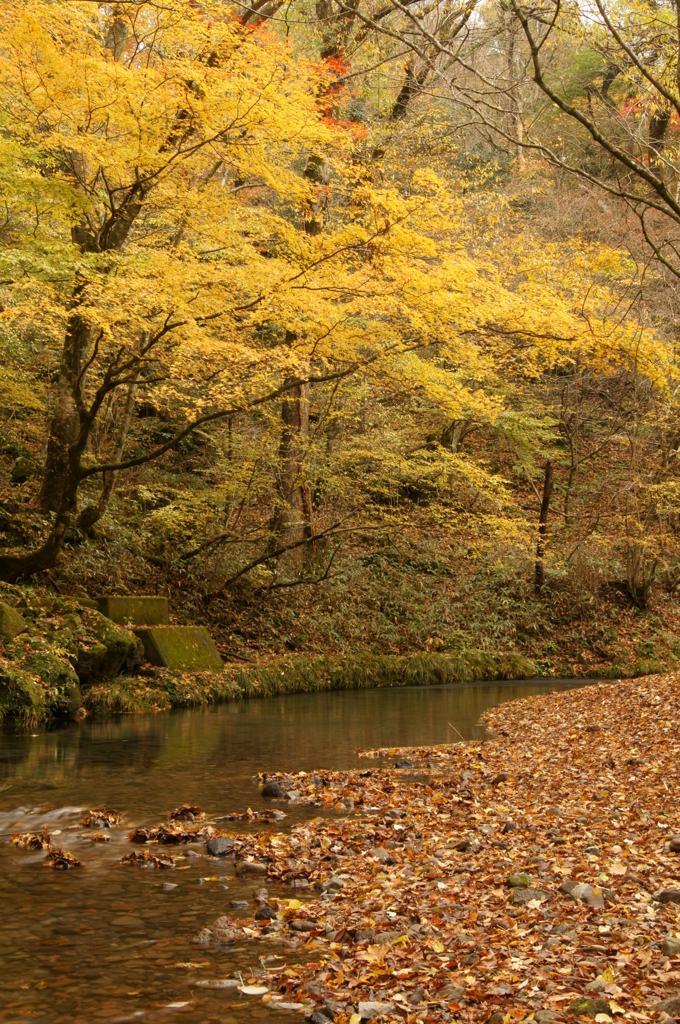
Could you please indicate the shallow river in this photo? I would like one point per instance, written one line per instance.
(107, 942)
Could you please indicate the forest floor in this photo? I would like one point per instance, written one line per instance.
(534, 875)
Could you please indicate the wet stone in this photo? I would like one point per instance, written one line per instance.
(265, 913)
(272, 791)
(239, 904)
(219, 846)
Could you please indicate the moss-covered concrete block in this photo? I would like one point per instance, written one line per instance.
(182, 647)
(139, 611)
(107, 650)
(11, 623)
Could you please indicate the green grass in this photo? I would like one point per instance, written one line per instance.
(134, 695)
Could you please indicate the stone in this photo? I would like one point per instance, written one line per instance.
(381, 854)
(138, 611)
(114, 648)
(452, 993)
(219, 933)
(251, 867)
(405, 763)
(272, 791)
(590, 1007)
(370, 1009)
(218, 846)
(520, 896)
(544, 1016)
(260, 895)
(169, 886)
(670, 946)
(519, 881)
(302, 925)
(384, 938)
(674, 844)
(463, 846)
(595, 850)
(187, 648)
(318, 1018)
(667, 896)
(595, 987)
(670, 1006)
(508, 827)
(239, 904)
(332, 1008)
(265, 913)
(364, 935)
(11, 623)
(21, 469)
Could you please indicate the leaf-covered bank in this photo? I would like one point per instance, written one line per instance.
(532, 877)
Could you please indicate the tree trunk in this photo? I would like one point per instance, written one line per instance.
(293, 519)
(64, 424)
(543, 525)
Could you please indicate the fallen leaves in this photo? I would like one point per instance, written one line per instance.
(409, 905)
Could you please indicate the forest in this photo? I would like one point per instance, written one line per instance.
(349, 326)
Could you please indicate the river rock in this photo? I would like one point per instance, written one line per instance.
(251, 867)
(670, 946)
(519, 881)
(584, 892)
(239, 904)
(372, 1008)
(218, 846)
(674, 844)
(404, 763)
(272, 791)
(590, 1007)
(667, 896)
(521, 896)
(318, 1018)
(265, 913)
(364, 935)
(452, 993)
(219, 933)
(11, 623)
(303, 925)
(383, 938)
(670, 1006)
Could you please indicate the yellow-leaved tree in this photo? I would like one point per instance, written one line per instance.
(185, 220)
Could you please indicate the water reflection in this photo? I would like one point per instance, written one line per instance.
(108, 942)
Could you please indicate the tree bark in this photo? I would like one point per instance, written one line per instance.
(543, 525)
(293, 520)
(64, 424)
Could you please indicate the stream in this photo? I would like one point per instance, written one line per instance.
(112, 942)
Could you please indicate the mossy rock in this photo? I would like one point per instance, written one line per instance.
(590, 1007)
(519, 881)
(23, 700)
(111, 649)
(11, 623)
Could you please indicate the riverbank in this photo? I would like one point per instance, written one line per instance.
(162, 689)
(532, 876)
